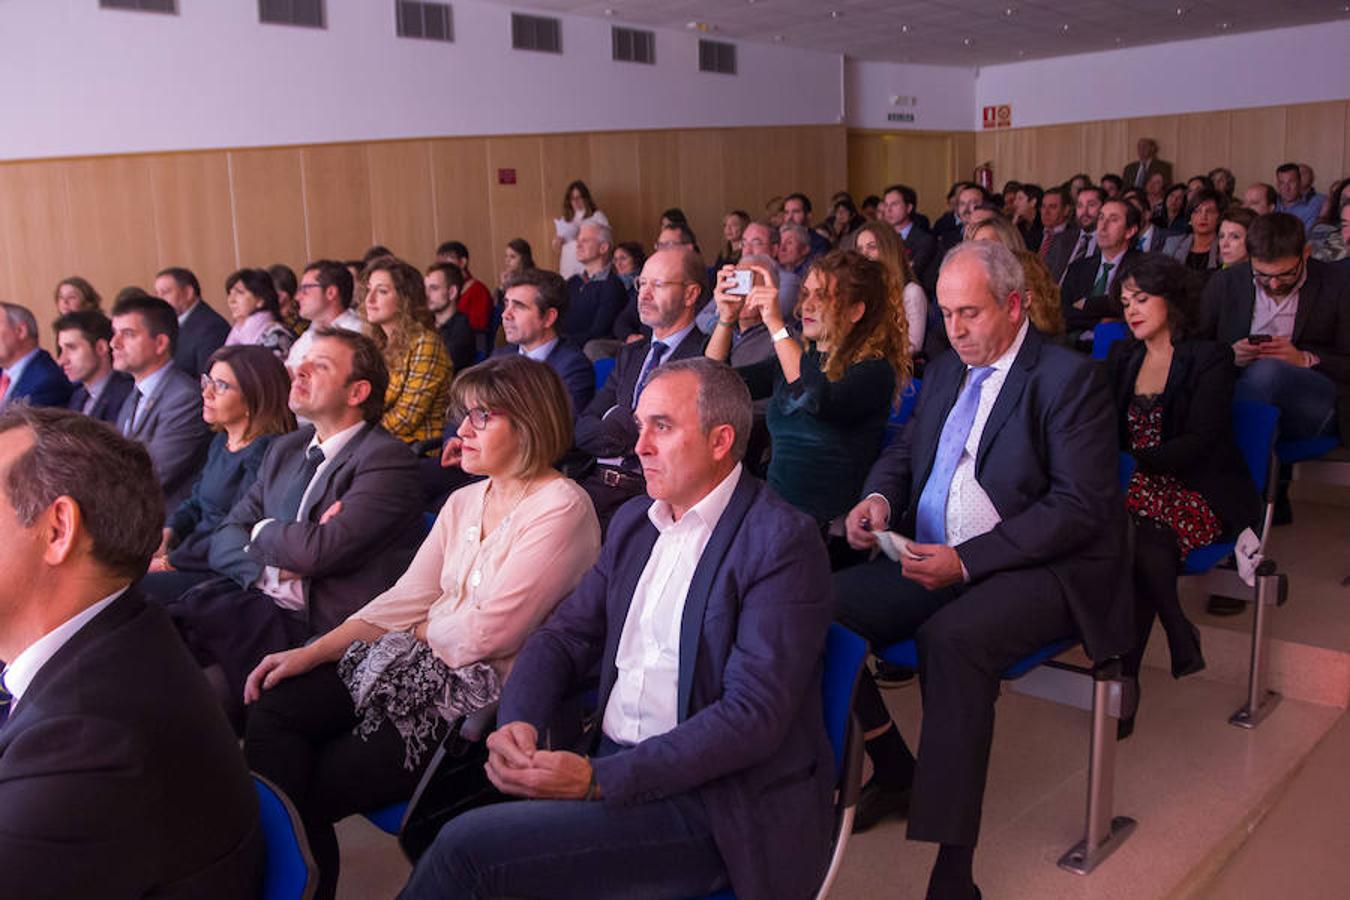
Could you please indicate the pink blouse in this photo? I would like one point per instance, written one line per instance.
(480, 605)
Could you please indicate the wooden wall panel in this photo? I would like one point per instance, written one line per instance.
(336, 212)
(519, 210)
(1315, 134)
(269, 211)
(112, 220)
(401, 203)
(659, 181)
(616, 176)
(1256, 143)
(699, 161)
(927, 161)
(459, 174)
(35, 236)
(1106, 148)
(194, 220)
(564, 158)
(1204, 142)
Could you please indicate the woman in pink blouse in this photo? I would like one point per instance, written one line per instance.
(347, 723)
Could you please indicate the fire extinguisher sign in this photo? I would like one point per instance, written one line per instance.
(997, 116)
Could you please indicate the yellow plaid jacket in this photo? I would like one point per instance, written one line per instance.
(419, 389)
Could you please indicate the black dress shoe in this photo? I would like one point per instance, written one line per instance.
(877, 802)
(1187, 660)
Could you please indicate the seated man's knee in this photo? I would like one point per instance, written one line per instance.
(1260, 381)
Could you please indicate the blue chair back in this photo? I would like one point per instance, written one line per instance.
(896, 423)
(1255, 426)
(602, 369)
(1106, 334)
(1125, 469)
(290, 873)
(845, 653)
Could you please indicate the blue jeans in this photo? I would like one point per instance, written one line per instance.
(1306, 399)
(573, 848)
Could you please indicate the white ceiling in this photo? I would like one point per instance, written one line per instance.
(956, 32)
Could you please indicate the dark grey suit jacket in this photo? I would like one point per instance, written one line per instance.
(361, 552)
(1048, 461)
(750, 740)
(119, 776)
(1156, 165)
(171, 428)
(108, 406)
(200, 335)
(1060, 249)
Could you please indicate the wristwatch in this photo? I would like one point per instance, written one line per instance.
(780, 335)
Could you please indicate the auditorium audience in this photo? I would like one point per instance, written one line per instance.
(1190, 487)
(773, 212)
(256, 313)
(627, 261)
(75, 293)
(1287, 318)
(1056, 218)
(1085, 293)
(1155, 189)
(908, 300)
(444, 283)
(1224, 184)
(733, 229)
(28, 374)
(1298, 200)
(794, 250)
(1198, 249)
(596, 295)
(517, 257)
(347, 723)
(1327, 238)
(996, 228)
(118, 776)
(1005, 557)
(474, 300)
(1138, 172)
(1151, 238)
(899, 202)
(419, 369)
(201, 330)
(968, 199)
(668, 294)
(164, 409)
(797, 211)
(709, 767)
(332, 519)
(578, 208)
(1233, 227)
(285, 283)
(1260, 198)
(1081, 242)
(84, 348)
(244, 394)
(1173, 215)
(843, 222)
(831, 393)
(1041, 296)
(324, 297)
(536, 300)
(762, 240)
(1026, 213)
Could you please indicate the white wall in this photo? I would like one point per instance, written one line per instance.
(1265, 68)
(77, 80)
(945, 95)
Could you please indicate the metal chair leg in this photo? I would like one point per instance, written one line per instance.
(1260, 701)
(1103, 831)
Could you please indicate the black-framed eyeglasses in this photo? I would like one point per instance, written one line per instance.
(215, 385)
(1285, 277)
(306, 286)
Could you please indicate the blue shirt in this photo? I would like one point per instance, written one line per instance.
(1307, 208)
(540, 353)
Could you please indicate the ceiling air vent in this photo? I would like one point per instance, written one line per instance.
(159, 6)
(716, 56)
(634, 45)
(307, 13)
(432, 21)
(539, 33)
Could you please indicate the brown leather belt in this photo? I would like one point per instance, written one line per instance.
(613, 477)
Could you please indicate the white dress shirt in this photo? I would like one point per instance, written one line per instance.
(1275, 317)
(289, 593)
(646, 692)
(540, 353)
(19, 674)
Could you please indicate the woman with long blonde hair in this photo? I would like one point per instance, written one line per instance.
(878, 241)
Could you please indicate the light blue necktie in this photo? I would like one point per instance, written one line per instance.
(930, 525)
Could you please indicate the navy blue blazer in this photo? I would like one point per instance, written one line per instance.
(1079, 281)
(109, 403)
(615, 434)
(42, 383)
(592, 307)
(750, 740)
(572, 366)
(202, 334)
(1047, 459)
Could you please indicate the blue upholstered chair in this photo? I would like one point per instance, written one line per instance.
(290, 873)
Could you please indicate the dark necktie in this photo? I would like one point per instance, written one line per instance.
(79, 400)
(6, 700)
(1103, 282)
(1045, 242)
(654, 357)
(1080, 248)
(290, 505)
(130, 425)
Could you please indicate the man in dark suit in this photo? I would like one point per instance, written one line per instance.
(668, 293)
(596, 295)
(83, 342)
(535, 300)
(201, 330)
(1087, 284)
(1006, 479)
(1027, 214)
(333, 519)
(898, 205)
(29, 372)
(118, 775)
(164, 409)
(1287, 318)
(1137, 172)
(705, 616)
(1075, 243)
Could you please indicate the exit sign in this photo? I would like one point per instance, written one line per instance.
(506, 176)
(900, 117)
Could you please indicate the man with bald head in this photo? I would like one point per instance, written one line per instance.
(668, 293)
(1003, 492)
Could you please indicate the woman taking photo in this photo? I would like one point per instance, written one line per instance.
(1190, 487)
(399, 321)
(878, 241)
(244, 399)
(833, 390)
(255, 313)
(577, 209)
(348, 723)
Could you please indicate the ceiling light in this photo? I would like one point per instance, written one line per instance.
(904, 29)
(1181, 10)
(778, 39)
(1064, 28)
(609, 12)
(968, 41)
(1224, 26)
(836, 14)
(1010, 11)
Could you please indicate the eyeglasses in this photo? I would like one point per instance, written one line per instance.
(307, 286)
(479, 417)
(672, 245)
(656, 284)
(215, 385)
(1285, 277)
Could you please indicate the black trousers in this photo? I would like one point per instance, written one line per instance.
(300, 737)
(607, 498)
(1157, 565)
(967, 636)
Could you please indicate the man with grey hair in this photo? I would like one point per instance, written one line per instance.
(1001, 506)
(596, 294)
(1137, 172)
(29, 372)
(706, 617)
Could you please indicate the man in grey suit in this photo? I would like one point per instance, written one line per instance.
(164, 409)
(201, 330)
(1137, 172)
